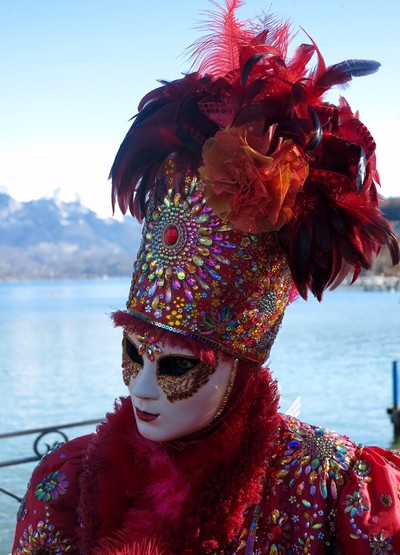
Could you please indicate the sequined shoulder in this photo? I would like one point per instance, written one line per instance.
(316, 459)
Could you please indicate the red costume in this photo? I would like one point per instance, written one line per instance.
(252, 190)
(285, 488)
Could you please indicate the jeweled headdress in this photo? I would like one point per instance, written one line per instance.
(249, 184)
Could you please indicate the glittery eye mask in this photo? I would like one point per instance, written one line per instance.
(132, 361)
(179, 376)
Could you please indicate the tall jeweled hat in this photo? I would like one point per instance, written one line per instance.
(250, 185)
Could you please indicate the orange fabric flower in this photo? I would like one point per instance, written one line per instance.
(253, 192)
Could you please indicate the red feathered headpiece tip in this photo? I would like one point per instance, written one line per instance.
(229, 42)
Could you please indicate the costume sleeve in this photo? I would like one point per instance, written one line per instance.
(47, 521)
(368, 516)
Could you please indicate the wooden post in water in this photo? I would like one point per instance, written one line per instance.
(394, 410)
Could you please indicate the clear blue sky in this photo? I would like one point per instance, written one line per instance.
(73, 72)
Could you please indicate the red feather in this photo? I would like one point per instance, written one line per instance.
(245, 79)
(230, 42)
(334, 231)
(217, 52)
(122, 546)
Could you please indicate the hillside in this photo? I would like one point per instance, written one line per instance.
(47, 238)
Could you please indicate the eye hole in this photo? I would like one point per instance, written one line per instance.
(132, 352)
(176, 365)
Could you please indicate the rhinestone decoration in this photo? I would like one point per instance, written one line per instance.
(267, 303)
(321, 457)
(362, 468)
(356, 504)
(171, 235)
(129, 370)
(380, 545)
(22, 511)
(148, 347)
(184, 248)
(42, 539)
(386, 500)
(323, 494)
(52, 487)
(197, 276)
(320, 445)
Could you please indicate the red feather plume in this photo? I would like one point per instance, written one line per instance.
(245, 79)
(334, 231)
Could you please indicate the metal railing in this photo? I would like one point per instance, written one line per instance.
(40, 445)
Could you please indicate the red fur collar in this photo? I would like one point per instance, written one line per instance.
(193, 494)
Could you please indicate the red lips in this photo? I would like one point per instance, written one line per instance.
(145, 416)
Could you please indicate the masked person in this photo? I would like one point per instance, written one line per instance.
(253, 190)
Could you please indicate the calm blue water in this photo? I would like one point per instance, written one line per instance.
(60, 363)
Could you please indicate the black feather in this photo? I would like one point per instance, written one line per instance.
(344, 71)
(251, 62)
(317, 137)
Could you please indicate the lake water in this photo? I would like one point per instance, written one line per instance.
(60, 363)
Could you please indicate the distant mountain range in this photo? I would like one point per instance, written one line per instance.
(48, 238)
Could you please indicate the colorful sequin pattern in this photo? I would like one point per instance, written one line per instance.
(197, 276)
(319, 498)
(43, 538)
(52, 487)
(37, 532)
(177, 388)
(323, 495)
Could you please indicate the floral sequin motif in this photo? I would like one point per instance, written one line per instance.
(51, 487)
(320, 459)
(220, 322)
(386, 500)
(148, 347)
(184, 248)
(43, 539)
(362, 469)
(356, 504)
(379, 544)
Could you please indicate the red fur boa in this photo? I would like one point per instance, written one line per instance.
(189, 496)
(121, 546)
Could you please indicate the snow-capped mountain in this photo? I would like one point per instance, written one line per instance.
(49, 238)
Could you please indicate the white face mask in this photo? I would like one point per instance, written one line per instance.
(173, 393)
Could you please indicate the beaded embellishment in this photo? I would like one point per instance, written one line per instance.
(197, 276)
(52, 487)
(43, 538)
(148, 347)
(320, 457)
(177, 388)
